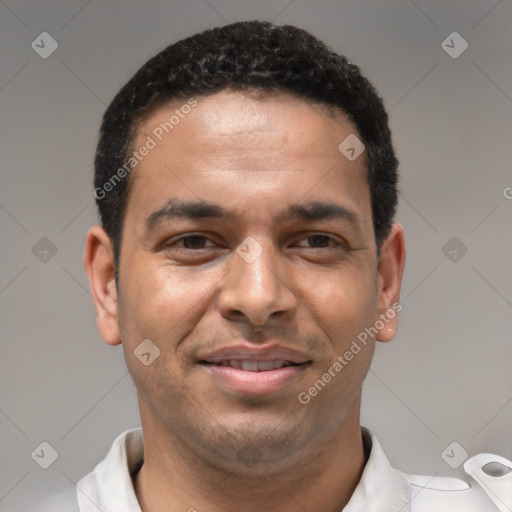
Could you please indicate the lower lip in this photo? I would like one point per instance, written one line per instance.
(255, 383)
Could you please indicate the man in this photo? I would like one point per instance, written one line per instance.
(248, 262)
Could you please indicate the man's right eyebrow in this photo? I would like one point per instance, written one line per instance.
(179, 209)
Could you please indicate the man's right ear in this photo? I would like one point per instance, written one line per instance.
(100, 268)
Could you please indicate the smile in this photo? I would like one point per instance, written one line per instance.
(250, 365)
(253, 377)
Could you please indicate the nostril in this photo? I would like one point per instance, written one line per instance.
(496, 469)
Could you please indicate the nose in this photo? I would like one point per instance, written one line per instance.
(256, 290)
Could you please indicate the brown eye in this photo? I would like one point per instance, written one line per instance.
(319, 240)
(193, 242)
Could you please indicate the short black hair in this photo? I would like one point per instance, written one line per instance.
(249, 55)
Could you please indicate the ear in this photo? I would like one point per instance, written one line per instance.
(389, 281)
(100, 268)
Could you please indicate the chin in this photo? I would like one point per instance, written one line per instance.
(248, 447)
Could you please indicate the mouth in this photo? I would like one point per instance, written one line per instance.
(250, 371)
(251, 365)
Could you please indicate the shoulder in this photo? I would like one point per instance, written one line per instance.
(488, 488)
(111, 477)
(436, 493)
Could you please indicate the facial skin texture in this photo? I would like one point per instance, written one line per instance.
(207, 446)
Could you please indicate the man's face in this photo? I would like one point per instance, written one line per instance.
(300, 289)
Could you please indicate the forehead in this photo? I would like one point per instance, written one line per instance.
(234, 147)
(246, 120)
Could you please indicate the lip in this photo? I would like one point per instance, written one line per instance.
(255, 382)
(269, 352)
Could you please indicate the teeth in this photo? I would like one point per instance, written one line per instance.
(255, 366)
(251, 366)
(265, 365)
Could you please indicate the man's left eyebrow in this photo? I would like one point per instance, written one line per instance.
(318, 210)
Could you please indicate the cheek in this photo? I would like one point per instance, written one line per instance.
(345, 299)
(162, 302)
(161, 306)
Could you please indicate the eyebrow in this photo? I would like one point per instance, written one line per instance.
(192, 210)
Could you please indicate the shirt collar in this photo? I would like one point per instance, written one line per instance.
(109, 488)
(381, 488)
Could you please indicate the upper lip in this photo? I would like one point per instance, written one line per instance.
(251, 353)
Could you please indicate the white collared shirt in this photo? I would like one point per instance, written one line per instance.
(109, 488)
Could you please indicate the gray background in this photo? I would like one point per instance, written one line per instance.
(446, 377)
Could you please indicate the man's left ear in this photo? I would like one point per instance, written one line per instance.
(389, 281)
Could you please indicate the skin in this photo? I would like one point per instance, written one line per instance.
(253, 155)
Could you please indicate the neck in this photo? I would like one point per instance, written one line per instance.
(319, 478)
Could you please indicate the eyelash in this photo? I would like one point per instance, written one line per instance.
(335, 243)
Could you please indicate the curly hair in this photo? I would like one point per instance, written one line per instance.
(241, 56)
